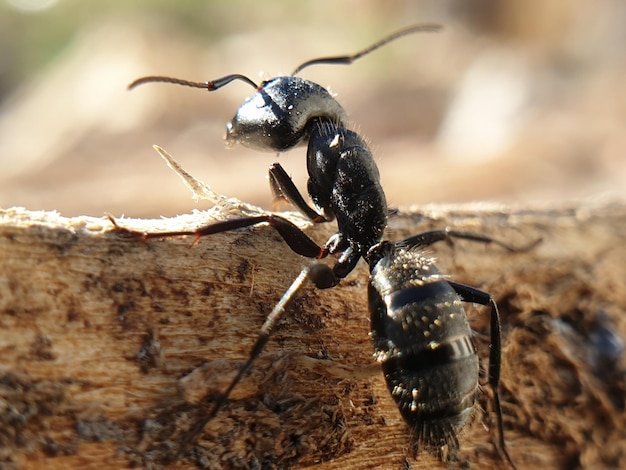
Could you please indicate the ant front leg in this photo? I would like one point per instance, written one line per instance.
(477, 296)
(283, 189)
(297, 240)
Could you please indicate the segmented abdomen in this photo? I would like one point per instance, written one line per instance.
(422, 339)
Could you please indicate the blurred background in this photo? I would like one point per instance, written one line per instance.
(513, 101)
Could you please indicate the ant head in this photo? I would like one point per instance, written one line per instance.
(279, 115)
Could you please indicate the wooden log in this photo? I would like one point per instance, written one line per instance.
(108, 343)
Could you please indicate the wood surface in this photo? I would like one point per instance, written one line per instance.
(108, 343)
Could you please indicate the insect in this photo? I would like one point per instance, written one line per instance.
(419, 327)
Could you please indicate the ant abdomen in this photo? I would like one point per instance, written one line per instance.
(280, 114)
(422, 339)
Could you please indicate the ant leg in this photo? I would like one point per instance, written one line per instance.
(428, 238)
(297, 240)
(323, 277)
(473, 295)
(283, 189)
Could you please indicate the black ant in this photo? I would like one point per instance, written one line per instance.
(420, 330)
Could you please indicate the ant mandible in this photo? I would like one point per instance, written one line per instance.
(419, 327)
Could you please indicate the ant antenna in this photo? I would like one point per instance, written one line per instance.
(208, 85)
(348, 59)
(337, 60)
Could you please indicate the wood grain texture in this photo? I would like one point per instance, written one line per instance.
(107, 344)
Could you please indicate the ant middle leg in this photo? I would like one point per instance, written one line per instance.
(297, 240)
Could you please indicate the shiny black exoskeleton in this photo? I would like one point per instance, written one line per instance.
(423, 340)
(283, 114)
(419, 327)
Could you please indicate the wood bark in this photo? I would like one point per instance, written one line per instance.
(108, 345)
